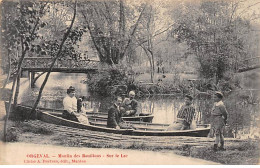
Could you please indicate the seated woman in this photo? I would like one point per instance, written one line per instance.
(184, 116)
(70, 105)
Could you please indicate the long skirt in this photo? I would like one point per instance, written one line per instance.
(69, 116)
(83, 118)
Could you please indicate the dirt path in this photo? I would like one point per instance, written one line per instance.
(27, 153)
(36, 133)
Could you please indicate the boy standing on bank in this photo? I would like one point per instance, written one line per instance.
(218, 121)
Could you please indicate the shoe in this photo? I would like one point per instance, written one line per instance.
(221, 149)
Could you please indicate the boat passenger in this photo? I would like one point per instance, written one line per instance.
(218, 121)
(114, 115)
(129, 105)
(81, 115)
(185, 116)
(70, 105)
(114, 119)
(80, 103)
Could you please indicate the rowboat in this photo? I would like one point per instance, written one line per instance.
(156, 129)
(55, 118)
(99, 124)
(92, 114)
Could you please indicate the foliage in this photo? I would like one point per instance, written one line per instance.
(110, 27)
(69, 51)
(20, 25)
(104, 83)
(217, 40)
(51, 34)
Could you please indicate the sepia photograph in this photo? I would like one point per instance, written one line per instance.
(129, 82)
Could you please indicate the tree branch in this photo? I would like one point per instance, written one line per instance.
(133, 32)
(92, 36)
(247, 8)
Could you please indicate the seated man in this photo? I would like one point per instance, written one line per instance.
(70, 105)
(114, 119)
(129, 105)
(184, 116)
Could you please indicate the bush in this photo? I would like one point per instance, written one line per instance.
(11, 135)
(103, 83)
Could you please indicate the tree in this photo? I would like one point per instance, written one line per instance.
(213, 33)
(73, 35)
(109, 28)
(145, 38)
(22, 30)
(149, 34)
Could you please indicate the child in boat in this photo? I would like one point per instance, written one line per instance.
(81, 116)
(218, 121)
(129, 105)
(185, 116)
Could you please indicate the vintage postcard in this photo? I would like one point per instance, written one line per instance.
(121, 82)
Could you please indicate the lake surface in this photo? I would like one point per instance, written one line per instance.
(243, 114)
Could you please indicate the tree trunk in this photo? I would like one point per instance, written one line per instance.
(9, 70)
(17, 90)
(53, 63)
(121, 29)
(151, 64)
(36, 78)
(133, 32)
(17, 77)
(9, 110)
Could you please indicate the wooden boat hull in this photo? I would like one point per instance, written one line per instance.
(50, 118)
(147, 118)
(54, 119)
(203, 132)
(135, 118)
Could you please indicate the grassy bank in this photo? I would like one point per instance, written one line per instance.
(37, 132)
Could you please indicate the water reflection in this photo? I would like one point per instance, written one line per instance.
(243, 113)
(54, 90)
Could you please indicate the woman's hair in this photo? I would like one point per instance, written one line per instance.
(219, 95)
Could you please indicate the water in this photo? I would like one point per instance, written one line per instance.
(243, 107)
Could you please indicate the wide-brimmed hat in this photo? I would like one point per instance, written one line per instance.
(71, 89)
(189, 96)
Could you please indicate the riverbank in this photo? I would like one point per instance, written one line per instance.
(37, 132)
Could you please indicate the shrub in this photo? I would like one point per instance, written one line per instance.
(104, 82)
(11, 135)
